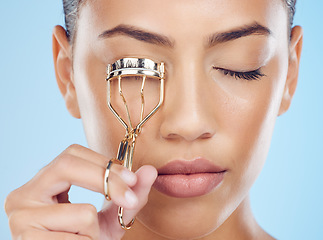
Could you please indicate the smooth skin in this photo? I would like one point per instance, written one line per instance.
(207, 113)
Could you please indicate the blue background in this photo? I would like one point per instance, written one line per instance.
(35, 127)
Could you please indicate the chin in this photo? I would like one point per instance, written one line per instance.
(179, 230)
(190, 218)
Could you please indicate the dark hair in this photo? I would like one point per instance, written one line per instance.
(291, 5)
(71, 10)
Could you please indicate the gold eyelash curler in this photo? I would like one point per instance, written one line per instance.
(129, 67)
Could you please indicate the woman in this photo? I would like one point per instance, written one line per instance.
(231, 69)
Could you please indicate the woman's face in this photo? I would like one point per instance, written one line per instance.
(211, 111)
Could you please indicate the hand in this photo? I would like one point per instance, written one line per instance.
(40, 209)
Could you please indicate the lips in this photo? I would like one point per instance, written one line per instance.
(184, 179)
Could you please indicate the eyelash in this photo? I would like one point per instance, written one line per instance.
(249, 76)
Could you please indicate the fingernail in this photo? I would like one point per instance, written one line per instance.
(128, 177)
(131, 198)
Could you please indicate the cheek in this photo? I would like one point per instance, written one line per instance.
(247, 122)
(91, 89)
(103, 130)
(139, 97)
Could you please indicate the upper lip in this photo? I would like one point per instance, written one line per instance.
(198, 165)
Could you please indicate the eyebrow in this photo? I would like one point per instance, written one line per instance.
(244, 31)
(162, 40)
(139, 34)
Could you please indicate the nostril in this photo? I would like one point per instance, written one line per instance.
(189, 133)
(185, 124)
(188, 115)
(172, 136)
(206, 135)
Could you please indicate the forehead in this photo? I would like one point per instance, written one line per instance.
(180, 18)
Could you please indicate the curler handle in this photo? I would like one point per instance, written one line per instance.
(125, 155)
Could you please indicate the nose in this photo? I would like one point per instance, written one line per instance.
(187, 112)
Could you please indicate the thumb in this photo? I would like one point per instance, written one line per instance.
(108, 217)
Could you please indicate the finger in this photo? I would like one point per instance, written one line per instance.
(124, 174)
(80, 219)
(146, 176)
(119, 190)
(56, 178)
(120, 193)
(73, 170)
(88, 154)
(35, 234)
(108, 221)
(60, 175)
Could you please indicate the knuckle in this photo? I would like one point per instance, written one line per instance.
(8, 203)
(64, 163)
(11, 199)
(73, 148)
(16, 220)
(89, 214)
(27, 235)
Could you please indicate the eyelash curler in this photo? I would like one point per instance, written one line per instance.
(132, 67)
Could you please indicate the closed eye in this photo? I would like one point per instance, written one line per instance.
(249, 76)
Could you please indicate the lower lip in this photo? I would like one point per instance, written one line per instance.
(185, 186)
